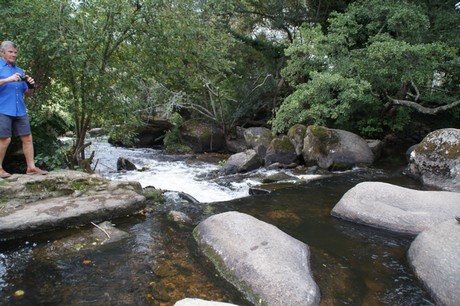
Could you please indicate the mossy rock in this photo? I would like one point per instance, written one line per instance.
(20, 189)
(335, 149)
(202, 136)
(297, 134)
(280, 150)
(436, 159)
(258, 138)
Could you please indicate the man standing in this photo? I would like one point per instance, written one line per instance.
(13, 115)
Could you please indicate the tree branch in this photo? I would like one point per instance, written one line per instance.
(417, 92)
(422, 109)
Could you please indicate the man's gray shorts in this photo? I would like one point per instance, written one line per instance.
(17, 126)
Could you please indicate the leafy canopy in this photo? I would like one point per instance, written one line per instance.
(373, 57)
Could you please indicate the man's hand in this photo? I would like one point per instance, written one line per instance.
(14, 78)
(30, 82)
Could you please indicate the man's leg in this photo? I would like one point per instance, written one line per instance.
(21, 127)
(4, 143)
(28, 149)
(5, 139)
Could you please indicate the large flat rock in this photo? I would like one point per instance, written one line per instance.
(268, 266)
(434, 258)
(397, 208)
(33, 204)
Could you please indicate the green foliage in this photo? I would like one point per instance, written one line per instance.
(172, 140)
(373, 54)
(116, 64)
(77, 46)
(47, 127)
(328, 99)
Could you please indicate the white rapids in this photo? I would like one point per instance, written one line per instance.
(177, 175)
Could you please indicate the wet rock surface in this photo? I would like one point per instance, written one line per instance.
(265, 264)
(396, 208)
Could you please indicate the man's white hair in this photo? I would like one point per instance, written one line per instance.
(7, 44)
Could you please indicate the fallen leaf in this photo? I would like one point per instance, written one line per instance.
(87, 262)
(19, 293)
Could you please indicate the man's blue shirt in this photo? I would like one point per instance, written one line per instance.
(11, 94)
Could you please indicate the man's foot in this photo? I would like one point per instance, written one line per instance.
(4, 174)
(36, 171)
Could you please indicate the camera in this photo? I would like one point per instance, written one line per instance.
(24, 78)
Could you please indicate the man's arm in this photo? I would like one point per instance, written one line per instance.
(12, 78)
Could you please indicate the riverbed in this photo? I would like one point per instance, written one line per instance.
(159, 264)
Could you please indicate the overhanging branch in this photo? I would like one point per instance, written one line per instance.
(422, 109)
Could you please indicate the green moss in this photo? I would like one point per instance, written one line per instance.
(63, 187)
(282, 144)
(297, 130)
(155, 195)
(80, 186)
(326, 139)
(42, 186)
(260, 139)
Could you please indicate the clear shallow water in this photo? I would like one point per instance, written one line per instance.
(158, 263)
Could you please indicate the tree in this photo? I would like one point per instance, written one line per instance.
(80, 45)
(23, 23)
(372, 59)
(264, 29)
(90, 62)
(199, 68)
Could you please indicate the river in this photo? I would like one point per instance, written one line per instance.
(159, 264)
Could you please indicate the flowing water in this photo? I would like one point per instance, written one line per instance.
(159, 264)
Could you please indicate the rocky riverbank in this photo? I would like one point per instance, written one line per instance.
(31, 204)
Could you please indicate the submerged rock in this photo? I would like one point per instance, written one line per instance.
(395, 208)
(434, 258)
(86, 240)
(179, 217)
(436, 160)
(125, 164)
(268, 266)
(277, 177)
